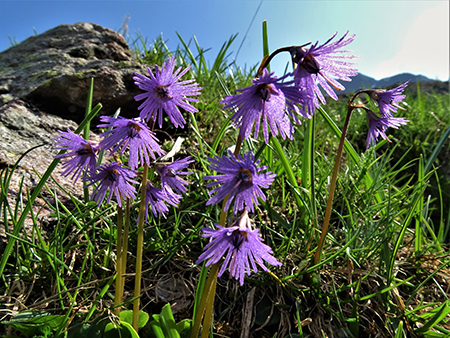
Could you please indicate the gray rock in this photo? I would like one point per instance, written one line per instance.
(21, 128)
(53, 70)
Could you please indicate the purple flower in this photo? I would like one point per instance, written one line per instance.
(131, 132)
(270, 101)
(163, 92)
(170, 176)
(241, 246)
(81, 151)
(116, 179)
(157, 198)
(378, 126)
(388, 99)
(242, 180)
(320, 65)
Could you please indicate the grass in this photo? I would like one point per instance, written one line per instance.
(384, 268)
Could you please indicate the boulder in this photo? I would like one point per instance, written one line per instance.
(44, 84)
(53, 71)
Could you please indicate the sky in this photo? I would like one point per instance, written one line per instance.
(392, 37)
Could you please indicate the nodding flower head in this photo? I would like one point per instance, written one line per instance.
(133, 132)
(308, 62)
(165, 93)
(323, 65)
(171, 174)
(270, 102)
(157, 198)
(82, 153)
(115, 179)
(379, 124)
(388, 100)
(242, 179)
(240, 245)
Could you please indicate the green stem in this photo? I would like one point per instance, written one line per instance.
(207, 299)
(209, 306)
(326, 221)
(208, 293)
(118, 295)
(126, 231)
(139, 251)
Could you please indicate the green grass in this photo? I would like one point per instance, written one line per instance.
(383, 270)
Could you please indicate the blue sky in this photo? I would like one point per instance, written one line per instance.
(391, 36)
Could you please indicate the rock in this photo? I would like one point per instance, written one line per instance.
(53, 71)
(22, 127)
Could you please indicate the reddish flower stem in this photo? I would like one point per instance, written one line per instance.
(326, 221)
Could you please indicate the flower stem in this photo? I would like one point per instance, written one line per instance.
(126, 230)
(326, 221)
(139, 251)
(119, 248)
(210, 301)
(208, 293)
(207, 300)
(266, 60)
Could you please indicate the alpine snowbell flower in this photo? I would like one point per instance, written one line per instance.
(82, 153)
(321, 65)
(270, 102)
(116, 179)
(378, 126)
(241, 246)
(170, 174)
(241, 179)
(388, 100)
(165, 93)
(157, 199)
(135, 133)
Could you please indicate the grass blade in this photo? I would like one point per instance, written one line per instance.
(36, 192)
(287, 169)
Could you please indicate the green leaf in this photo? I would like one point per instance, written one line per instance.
(399, 333)
(167, 322)
(123, 330)
(127, 316)
(439, 314)
(184, 326)
(437, 150)
(33, 322)
(265, 42)
(288, 170)
(434, 334)
(85, 330)
(157, 330)
(164, 326)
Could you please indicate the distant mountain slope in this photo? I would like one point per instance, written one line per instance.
(362, 81)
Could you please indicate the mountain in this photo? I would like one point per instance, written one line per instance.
(362, 81)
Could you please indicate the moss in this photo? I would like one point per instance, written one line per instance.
(6, 69)
(5, 98)
(31, 57)
(82, 74)
(25, 65)
(45, 84)
(45, 73)
(121, 65)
